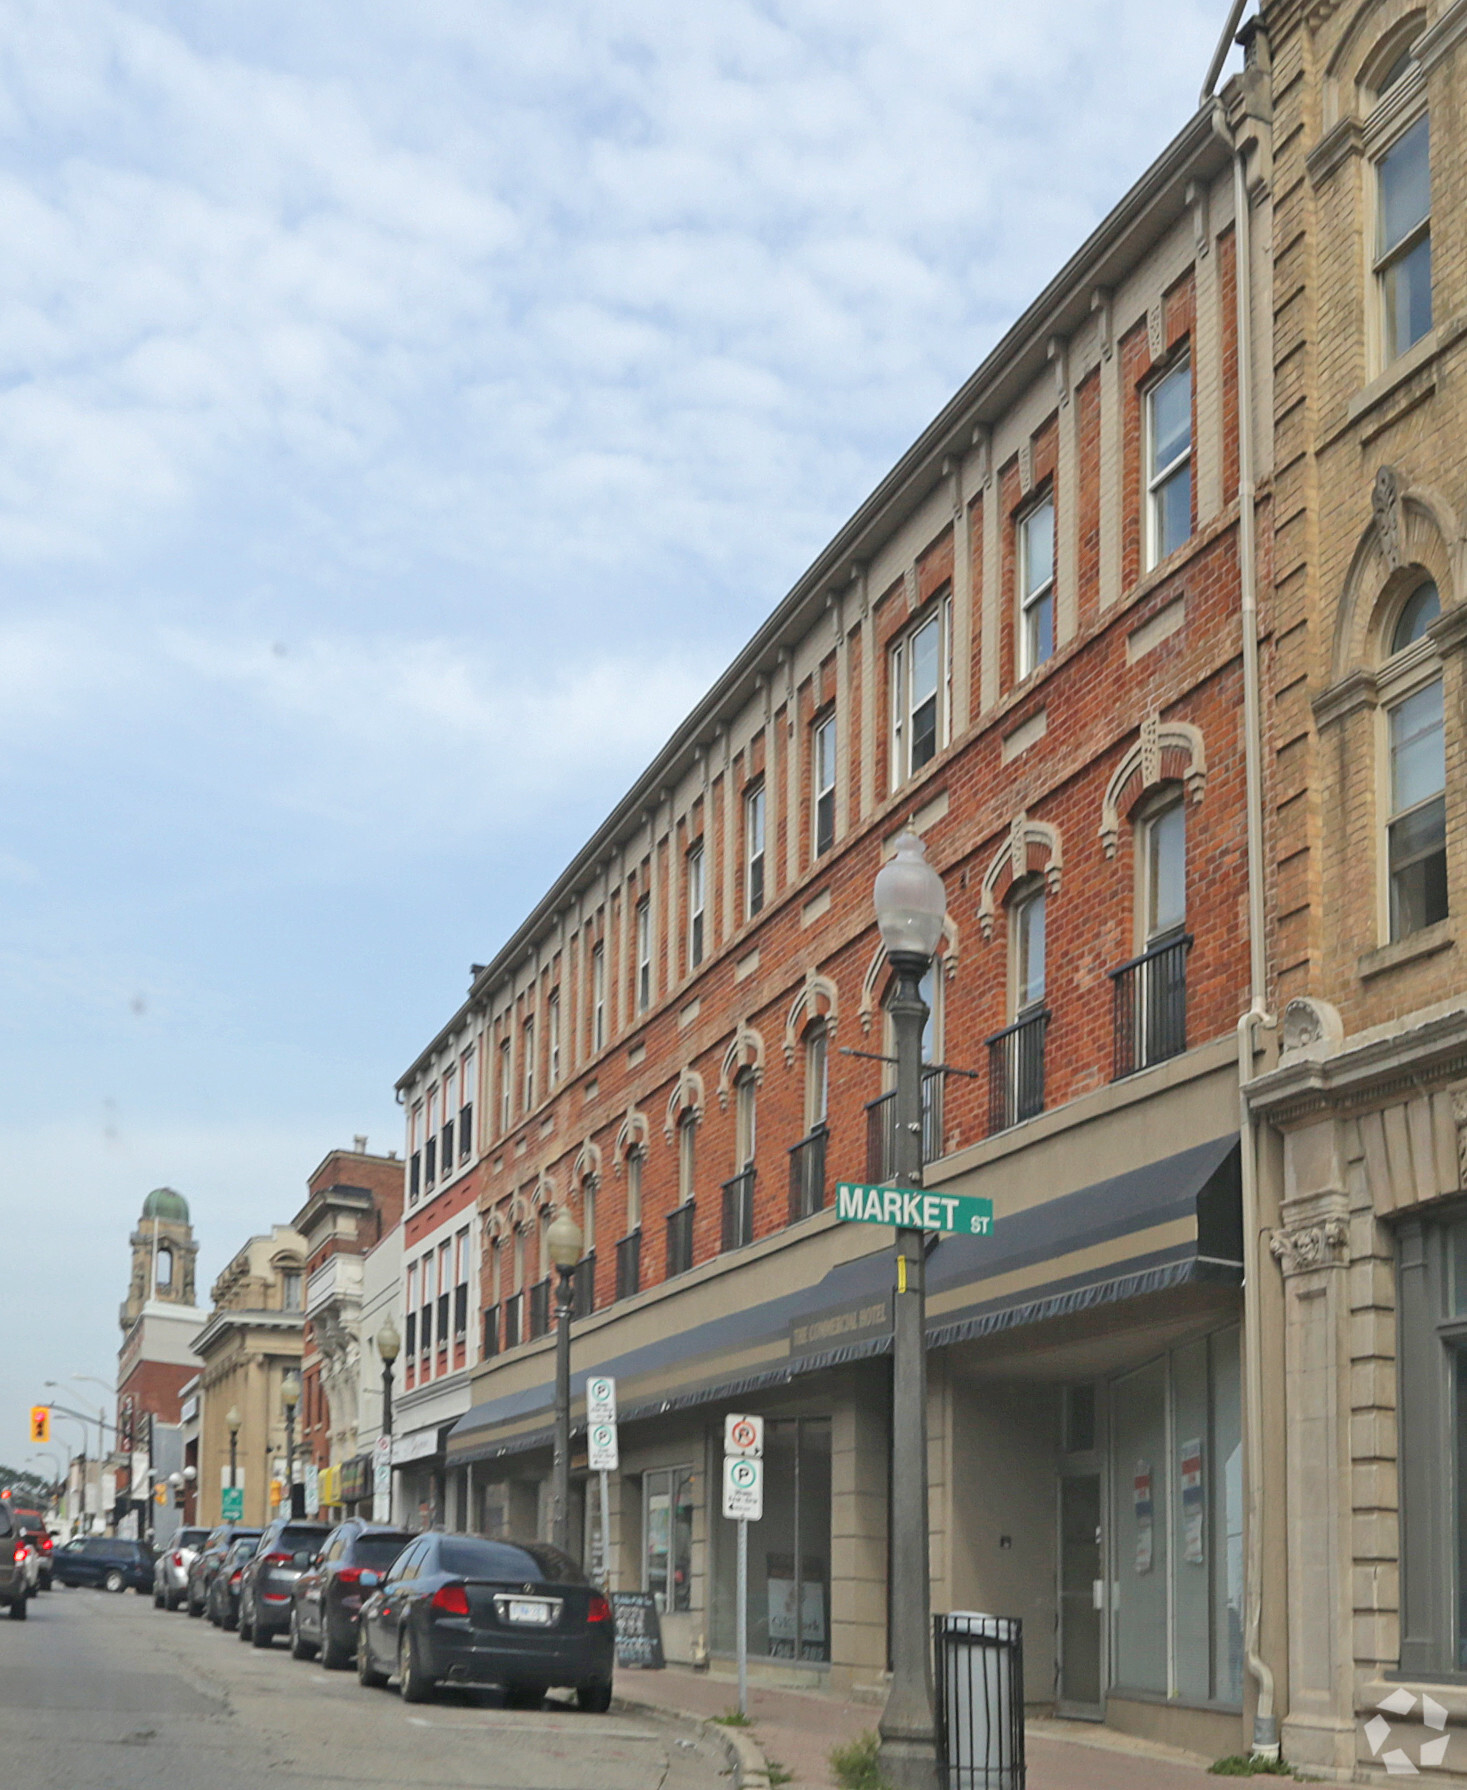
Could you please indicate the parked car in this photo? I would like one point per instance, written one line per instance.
(222, 1607)
(329, 1593)
(208, 1561)
(106, 1561)
(32, 1527)
(284, 1552)
(170, 1569)
(456, 1609)
(14, 1592)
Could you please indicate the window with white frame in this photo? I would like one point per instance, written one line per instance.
(745, 1119)
(466, 1109)
(644, 954)
(687, 1146)
(921, 691)
(552, 1036)
(1169, 462)
(527, 1046)
(430, 1144)
(598, 995)
(695, 906)
(506, 1089)
(817, 1076)
(1416, 832)
(754, 812)
(822, 781)
(1028, 922)
(1036, 586)
(1403, 239)
(634, 1159)
(1163, 871)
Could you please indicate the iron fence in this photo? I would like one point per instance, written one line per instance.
(1150, 1005)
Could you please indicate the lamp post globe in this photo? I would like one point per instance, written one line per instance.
(563, 1240)
(910, 901)
(389, 1347)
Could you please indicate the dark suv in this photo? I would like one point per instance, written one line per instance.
(286, 1549)
(207, 1562)
(329, 1594)
(13, 1588)
(104, 1560)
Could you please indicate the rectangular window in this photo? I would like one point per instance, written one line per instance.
(1169, 462)
(1036, 587)
(634, 1190)
(527, 1044)
(644, 954)
(466, 1110)
(1417, 833)
(1029, 952)
(695, 907)
(290, 1290)
(667, 1527)
(687, 1139)
(1403, 257)
(919, 690)
(822, 777)
(817, 1077)
(754, 848)
(598, 996)
(506, 1089)
(552, 1027)
(1164, 893)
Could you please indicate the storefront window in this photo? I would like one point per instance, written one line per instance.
(667, 1528)
(789, 1550)
(1177, 1529)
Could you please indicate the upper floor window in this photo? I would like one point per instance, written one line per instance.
(1169, 462)
(754, 812)
(552, 1036)
(695, 906)
(1036, 587)
(1403, 245)
(920, 673)
(644, 954)
(506, 1088)
(1163, 872)
(290, 1290)
(1417, 830)
(1418, 612)
(527, 1042)
(745, 1119)
(1028, 919)
(634, 1159)
(598, 996)
(687, 1146)
(822, 765)
(817, 1076)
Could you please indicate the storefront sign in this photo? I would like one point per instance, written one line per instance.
(1194, 1507)
(856, 1322)
(638, 1630)
(353, 1486)
(1145, 1516)
(909, 1208)
(414, 1447)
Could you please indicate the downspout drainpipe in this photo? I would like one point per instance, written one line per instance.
(1265, 1719)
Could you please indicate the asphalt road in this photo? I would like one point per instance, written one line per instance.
(102, 1692)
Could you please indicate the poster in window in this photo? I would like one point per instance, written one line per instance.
(1194, 1507)
(1145, 1516)
(780, 1592)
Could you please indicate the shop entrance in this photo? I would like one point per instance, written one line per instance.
(1081, 1596)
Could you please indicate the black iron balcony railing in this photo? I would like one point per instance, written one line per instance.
(881, 1128)
(1016, 1070)
(1150, 1012)
(539, 1308)
(583, 1287)
(465, 1131)
(738, 1209)
(807, 1175)
(491, 1331)
(680, 1240)
(629, 1265)
(513, 1307)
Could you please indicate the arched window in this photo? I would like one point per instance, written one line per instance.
(165, 1267)
(629, 1248)
(1016, 1054)
(1418, 612)
(817, 1076)
(1150, 991)
(807, 1158)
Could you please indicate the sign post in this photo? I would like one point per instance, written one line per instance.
(743, 1502)
(602, 1453)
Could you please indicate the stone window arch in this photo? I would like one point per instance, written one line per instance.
(817, 999)
(872, 983)
(1029, 848)
(744, 1056)
(1162, 752)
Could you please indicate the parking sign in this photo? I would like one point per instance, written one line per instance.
(744, 1435)
(601, 1450)
(601, 1399)
(743, 1488)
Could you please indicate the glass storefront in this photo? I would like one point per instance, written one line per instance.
(1176, 1567)
(789, 1550)
(667, 1537)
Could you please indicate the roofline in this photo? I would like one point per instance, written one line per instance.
(1109, 251)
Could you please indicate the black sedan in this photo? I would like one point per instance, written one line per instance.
(456, 1609)
(206, 1563)
(329, 1595)
(221, 1601)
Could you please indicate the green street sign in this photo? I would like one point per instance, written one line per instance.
(910, 1208)
(231, 1504)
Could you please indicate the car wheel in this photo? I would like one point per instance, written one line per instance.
(17, 1609)
(170, 1600)
(367, 1673)
(193, 1609)
(300, 1647)
(114, 1581)
(243, 1627)
(414, 1683)
(524, 1696)
(260, 1636)
(335, 1653)
(157, 1600)
(595, 1697)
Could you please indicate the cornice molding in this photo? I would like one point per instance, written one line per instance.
(1347, 1079)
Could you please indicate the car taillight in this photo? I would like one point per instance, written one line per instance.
(21, 1550)
(598, 1610)
(234, 1576)
(178, 1561)
(46, 1544)
(279, 1559)
(349, 1575)
(451, 1600)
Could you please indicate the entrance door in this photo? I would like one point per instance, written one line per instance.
(1081, 1595)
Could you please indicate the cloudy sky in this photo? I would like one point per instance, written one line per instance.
(404, 411)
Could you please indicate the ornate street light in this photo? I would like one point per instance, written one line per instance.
(290, 1397)
(389, 1346)
(232, 1421)
(563, 1240)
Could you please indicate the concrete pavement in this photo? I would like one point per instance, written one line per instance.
(102, 1692)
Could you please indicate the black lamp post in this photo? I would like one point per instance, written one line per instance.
(232, 1421)
(564, 1242)
(910, 909)
(290, 1394)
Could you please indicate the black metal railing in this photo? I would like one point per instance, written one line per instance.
(539, 1308)
(446, 1146)
(415, 1174)
(583, 1287)
(430, 1162)
(680, 1240)
(465, 1130)
(979, 1701)
(1016, 1070)
(807, 1174)
(460, 1311)
(1149, 1021)
(881, 1128)
(629, 1265)
(738, 1209)
(491, 1331)
(513, 1307)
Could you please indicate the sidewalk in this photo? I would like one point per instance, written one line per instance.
(797, 1729)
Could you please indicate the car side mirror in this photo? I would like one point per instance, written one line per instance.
(370, 1580)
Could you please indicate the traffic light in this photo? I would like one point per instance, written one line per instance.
(40, 1423)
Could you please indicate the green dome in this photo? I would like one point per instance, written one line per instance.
(164, 1203)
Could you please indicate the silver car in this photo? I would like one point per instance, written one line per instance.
(170, 1569)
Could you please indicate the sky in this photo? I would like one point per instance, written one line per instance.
(405, 412)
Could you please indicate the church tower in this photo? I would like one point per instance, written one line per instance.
(163, 1252)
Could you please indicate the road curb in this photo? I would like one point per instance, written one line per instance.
(745, 1760)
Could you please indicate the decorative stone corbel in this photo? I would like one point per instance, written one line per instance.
(1390, 521)
(1323, 1245)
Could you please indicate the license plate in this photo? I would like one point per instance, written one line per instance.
(527, 1609)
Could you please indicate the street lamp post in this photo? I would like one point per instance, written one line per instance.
(564, 1243)
(232, 1421)
(388, 1345)
(910, 910)
(290, 1394)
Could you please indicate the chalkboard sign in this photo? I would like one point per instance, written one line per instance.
(638, 1630)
